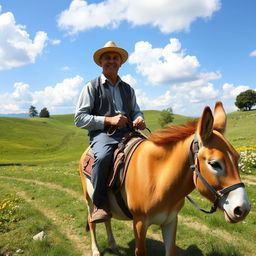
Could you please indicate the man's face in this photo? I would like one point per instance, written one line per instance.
(110, 63)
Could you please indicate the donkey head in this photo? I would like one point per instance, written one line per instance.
(218, 164)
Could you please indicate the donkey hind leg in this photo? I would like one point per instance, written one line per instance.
(169, 237)
(140, 231)
(111, 240)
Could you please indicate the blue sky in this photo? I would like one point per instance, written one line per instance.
(183, 54)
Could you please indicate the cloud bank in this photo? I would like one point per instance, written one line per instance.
(60, 98)
(167, 15)
(184, 85)
(187, 86)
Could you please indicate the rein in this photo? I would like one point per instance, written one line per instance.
(193, 154)
(113, 129)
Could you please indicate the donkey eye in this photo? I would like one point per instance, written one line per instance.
(216, 167)
(215, 164)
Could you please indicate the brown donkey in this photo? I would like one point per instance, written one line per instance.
(165, 168)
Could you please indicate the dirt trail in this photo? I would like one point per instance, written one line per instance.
(49, 185)
(250, 177)
(249, 182)
(80, 243)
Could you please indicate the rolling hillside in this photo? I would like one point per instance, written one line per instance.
(43, 140)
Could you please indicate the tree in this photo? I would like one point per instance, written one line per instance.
(246, 100)
(166, 117)
(44, 113)
(32, 111)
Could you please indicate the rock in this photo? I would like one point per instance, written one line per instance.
(19, 251)
(40, 236)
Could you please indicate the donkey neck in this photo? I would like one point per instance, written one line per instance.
(177, 175)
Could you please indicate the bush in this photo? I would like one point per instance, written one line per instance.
(44, 113)
(166, 117)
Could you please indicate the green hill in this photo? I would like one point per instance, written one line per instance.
(241, 129)
(36, 140)
(44, 140)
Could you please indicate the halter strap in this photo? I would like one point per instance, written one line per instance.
(193, 153)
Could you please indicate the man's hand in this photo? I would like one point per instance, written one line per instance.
(118, 120)
(139, 123)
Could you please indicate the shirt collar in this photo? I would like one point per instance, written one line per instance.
(105, 80)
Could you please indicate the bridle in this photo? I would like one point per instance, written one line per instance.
(219, 194)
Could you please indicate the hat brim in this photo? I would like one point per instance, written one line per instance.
(123, 53)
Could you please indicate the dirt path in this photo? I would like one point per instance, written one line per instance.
(249, 177)
(49, 185)
(249, 182)
(79, 243)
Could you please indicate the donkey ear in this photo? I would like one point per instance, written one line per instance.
(220, 118)
(205, 125)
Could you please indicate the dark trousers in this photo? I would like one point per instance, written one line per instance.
(103, 154)
(103, 147)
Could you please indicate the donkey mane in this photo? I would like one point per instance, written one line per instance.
(173, 133)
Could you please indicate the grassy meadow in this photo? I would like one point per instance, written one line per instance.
(40, 190)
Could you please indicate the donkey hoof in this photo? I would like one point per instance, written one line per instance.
(115, 249)
(95, 253)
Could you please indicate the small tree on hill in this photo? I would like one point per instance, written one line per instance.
(246, 100)
(32, 111)
(166, 117)
(44, 113)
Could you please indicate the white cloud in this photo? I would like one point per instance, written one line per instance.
(65, 68)
(188, 90)
(167, 15)
(55, 98)
(230, 91)
(55, 41)
(164, 65)
(17, 101)
(229, 94)
(161, 102)
(16, 47)
(61, 94)
(130, 80)
(172, 67)
(253, 53)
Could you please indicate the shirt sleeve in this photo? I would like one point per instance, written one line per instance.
(136, 112)
(83, 117)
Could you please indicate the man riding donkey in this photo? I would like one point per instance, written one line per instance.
(106, 102)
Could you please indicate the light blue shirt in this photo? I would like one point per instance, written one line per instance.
(85, 105)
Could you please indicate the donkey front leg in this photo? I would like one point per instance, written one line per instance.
(169, 237)
(140, 231)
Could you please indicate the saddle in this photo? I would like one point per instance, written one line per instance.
(121, 159)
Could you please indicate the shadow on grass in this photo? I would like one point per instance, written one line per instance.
(157, 248)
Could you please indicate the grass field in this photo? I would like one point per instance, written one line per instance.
(44, 193)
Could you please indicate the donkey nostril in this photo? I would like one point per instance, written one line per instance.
(238, 211)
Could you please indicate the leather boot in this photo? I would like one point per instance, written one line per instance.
(100, 214)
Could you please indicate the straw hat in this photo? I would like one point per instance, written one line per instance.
(110, 46)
